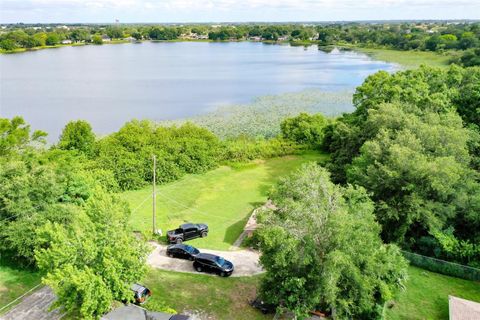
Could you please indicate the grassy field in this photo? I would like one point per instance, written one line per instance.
(14, 282)
(223, 198)
(407, 59)
(426, 295)
(215, 297)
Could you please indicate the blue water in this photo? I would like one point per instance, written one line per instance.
(111, 84)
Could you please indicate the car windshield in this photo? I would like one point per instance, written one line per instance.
(220, 261)
(189, 249)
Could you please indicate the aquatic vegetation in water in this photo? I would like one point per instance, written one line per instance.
(263, 116)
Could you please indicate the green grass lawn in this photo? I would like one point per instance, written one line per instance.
(426, 295)
(408, 59)
(223, 198)
(215, 297)
(14, 282)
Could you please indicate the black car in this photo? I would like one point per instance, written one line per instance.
(186, 232)
(206, 262)
(140, 293)
(182, 251)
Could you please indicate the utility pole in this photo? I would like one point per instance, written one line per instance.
(154, 218)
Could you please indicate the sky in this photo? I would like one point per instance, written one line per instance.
(163, 11)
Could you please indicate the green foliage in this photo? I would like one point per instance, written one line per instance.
(443, 267)
(305, 129)
(97, 39)
(100, 262)
(179, 150)
(321, 248)
(77, 135)
(15, 135)
(243, 149)
(412, 143)
(52, 39)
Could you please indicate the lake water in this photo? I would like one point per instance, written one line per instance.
(111, 84)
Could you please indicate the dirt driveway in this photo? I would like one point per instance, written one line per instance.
(245, 261)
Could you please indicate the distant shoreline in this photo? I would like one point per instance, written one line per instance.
(407, 59)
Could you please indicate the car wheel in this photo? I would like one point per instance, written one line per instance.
(204, 234)
(170, 255)
(199, 269)
(223, 274)
(179, 241)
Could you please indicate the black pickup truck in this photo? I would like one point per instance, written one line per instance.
(186, 232)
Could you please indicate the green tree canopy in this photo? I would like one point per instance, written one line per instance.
(321, 248)
(94, 260)
(77, 135)
(305, 129)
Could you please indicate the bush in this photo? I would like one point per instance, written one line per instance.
(179, 150)
(305, 129)
(245, 149)
(443, 267)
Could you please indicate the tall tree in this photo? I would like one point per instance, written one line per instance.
(321, 248)
(77, 135)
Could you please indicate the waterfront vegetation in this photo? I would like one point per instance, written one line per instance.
(409, 59)
(461, 41)
(262, 117)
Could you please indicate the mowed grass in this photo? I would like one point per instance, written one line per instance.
(14, 282)
(426, 295)
(223, 198)
(408, 59)
(213, 297)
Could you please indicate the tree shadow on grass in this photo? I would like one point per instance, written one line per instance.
(235, 230)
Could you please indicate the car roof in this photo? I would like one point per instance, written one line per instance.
(188, 225)
(207, 256)
(137, 287)
(179, 246)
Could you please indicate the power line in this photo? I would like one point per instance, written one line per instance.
(23, 295)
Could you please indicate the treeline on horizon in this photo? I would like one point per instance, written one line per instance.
(422, 36)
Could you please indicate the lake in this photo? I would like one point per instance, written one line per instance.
(111, 84)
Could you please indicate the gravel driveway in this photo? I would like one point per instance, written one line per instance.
(245, 261)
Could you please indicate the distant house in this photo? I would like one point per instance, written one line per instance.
(283, 38)
(106, 38)
(66, 41)
(129, 39)
(133, 312)
(255, 38)
(461, 309)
